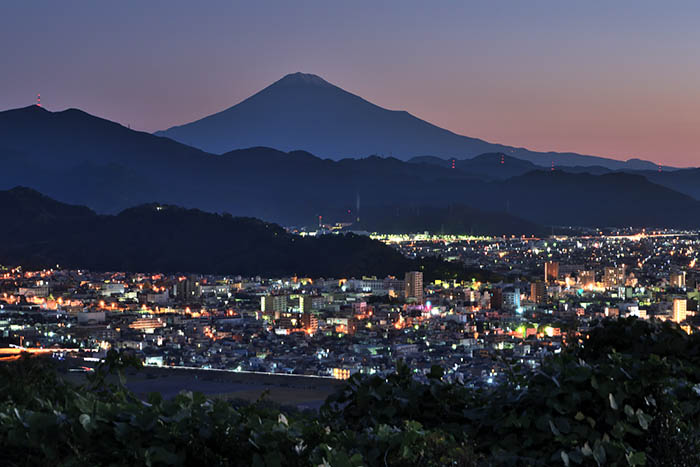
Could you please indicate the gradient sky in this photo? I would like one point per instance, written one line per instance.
(618, 79)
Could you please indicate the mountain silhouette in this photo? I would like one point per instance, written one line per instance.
(41, 232)
(305, 112)
(77, 158)
(451, 219)
(615, 199)
(492, 165)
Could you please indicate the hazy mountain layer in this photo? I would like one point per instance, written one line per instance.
(77, 158)
(304, 112)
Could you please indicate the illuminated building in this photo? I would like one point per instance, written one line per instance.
(343, 325)
(305, 303)
(147, 325)
(677, 279)
(614, 277)
(341, 373)
(551, 271)
(414, 286)
(359, 309)
(273, 303)
(107, 289)
(538, 292)
(36, 291)
(680, 308)
(187, 289)
(511, 298)
(377, 286)
(309, 322)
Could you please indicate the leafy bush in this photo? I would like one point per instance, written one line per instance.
(630, 395)
(45, 420)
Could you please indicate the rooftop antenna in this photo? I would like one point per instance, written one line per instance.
(38, 100)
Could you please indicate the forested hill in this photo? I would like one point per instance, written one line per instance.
(40, 232)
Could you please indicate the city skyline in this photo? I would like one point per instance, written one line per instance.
(349, 233)
(614, 81)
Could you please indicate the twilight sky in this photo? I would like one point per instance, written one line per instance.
(618, 79)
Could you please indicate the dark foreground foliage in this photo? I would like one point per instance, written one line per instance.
(629, 395)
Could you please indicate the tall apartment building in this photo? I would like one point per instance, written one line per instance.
(680, 308)
(188, 289)
(677, 279)
(551, 271)
(614, 277)
(305, 303)
(538, 292)
(511, 298)
(309, 322)
(414, 286)
(273, 303)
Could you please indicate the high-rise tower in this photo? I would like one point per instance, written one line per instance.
(414, 286)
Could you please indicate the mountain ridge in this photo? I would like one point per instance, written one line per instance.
(172, 239)
(303, 111)
(78, 158)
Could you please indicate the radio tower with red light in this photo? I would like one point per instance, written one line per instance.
(38, 100)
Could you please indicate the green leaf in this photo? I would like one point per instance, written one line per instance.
(636, 458)
(85, 421)
(586, 450)
(599, 453)
(643, 419)
(554, 429)
(565, 458)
